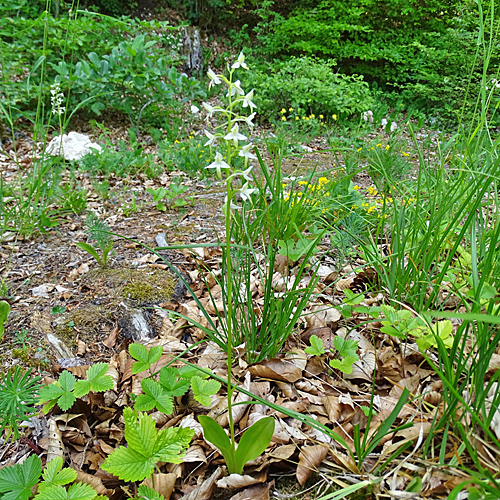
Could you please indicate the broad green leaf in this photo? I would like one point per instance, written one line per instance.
(89, 249)
(146, 447)
(316, 348)
(17, 480)
(145, 357)
(254, 442)
(97, 380)
(215, 434)
(203, 389)
(4, 314)
(415, 485)
(54, 476)
(352, 298)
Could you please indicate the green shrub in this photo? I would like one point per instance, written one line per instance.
(309, 84)
(422, 53)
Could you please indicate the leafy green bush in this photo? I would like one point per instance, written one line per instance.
(311, 85)
(422, 53)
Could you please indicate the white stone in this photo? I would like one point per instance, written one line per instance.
(72, 146)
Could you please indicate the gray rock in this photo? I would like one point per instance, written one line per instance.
(135, 323)
(72, 146)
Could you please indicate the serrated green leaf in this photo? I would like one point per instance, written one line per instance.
(346, 347)
(54, 476)
(316, 348)
(188, 371)
(146, 447)
(60, 392)
(344, 364)
(203, 389)
(147, 493)
(171, 383)
(17, 480)
(145, 357)
(97, 380)
(154, 395)
(76, 491)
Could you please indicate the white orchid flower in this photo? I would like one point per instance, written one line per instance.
(214, 79)
(245, 152)
(249, 118)
(245, 191)
(236, 88)
(244, 173)
(209, 109)
(240, 62)
(233, 206)
(194, 109)
(235, 135)
(212, 139)
(247, 100)
(218, 164)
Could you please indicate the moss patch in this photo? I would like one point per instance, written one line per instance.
(142, 286)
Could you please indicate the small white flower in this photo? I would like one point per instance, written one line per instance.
(245, 174)
(212, 139)
(245, 191)
(209, 109)
(383, 122)
(249, 118)
(214, 79)
(240, 62)
(218, 164)
(247, 100)
(394, 126)
(245, 152)
(236, 88)
(233, 206)
(235, 135)
(194, 109)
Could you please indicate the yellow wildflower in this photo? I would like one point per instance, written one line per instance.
(387, 147)
(357, 188)
(321, 116)
(334, 117)
(296, 117)
(283, 118)
(283, 111)
(290, 109)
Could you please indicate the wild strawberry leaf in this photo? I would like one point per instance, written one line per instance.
(316, 348)
(203, 389)
(59, 392)
(17, 480)
(154, 395)
(344, 364)
(171, 383)
(76, 491)
(146, 447)
(55, 475)
(145, 357)
(97, 380)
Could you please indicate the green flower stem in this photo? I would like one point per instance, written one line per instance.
(229, 319)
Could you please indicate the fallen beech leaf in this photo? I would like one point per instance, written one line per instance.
(111, 340)
(206, 489)
(310, 457)
(236, 481)
(162, 483)
(55, 446)
(277, 369)
(95, 482)
(282, 452)
(323, 315)
(255, 492)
